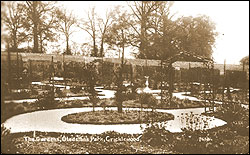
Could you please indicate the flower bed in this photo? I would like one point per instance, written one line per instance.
(113, 117)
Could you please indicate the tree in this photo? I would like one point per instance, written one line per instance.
(36, 12)
(119, 33)
(103, 25)
(245, 60)
(47, 28)
(14, 19)
(196, 35)
(144, 16)
(162, 36)
(91, 79)
(118, 37)
(65, 22)
(89, 25)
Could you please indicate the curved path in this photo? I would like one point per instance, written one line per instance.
(50, 121)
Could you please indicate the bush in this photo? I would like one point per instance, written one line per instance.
(20, 95)
(76, 89)
(6, 141)
(149, 99)
(201, 142)
(20, 109)
(46, 101)
(130, 96)
(236, 116)
(156, 135)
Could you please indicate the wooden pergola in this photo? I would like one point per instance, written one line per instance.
(187, 57)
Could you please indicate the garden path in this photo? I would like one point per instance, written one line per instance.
(50, 121)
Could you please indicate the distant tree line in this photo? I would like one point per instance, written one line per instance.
(147, 26)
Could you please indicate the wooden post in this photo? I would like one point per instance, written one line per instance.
(17, 63)
(131, 73)
(224, 81)
(213, 88)
(170, 88)
(161, 82)
(30, 73)
(53, 75)
(64, 71)
(9, 70)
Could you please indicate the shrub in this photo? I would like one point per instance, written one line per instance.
(156, 135)
(76, 89)
(236, 116)
(46, 101)
(130, 96)
(20, 109)
(149, 99)
(6, 141)
(20, 95)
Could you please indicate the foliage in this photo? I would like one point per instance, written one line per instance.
(91, 81)
(196, 34)
(156, 135)
(23, 94)
(236, 79)
(14, 23)
(40, 29)
(245, 60)
(114, 117)
(148, 99)
(148, 24)
(46, 100)
(120, 97)
(236, 116)
(76, 89)
(118, 32)
(6, 140)
(232, 112)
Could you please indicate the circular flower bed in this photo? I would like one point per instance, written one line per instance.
(113, 117)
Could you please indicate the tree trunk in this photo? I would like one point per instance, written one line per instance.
(9, 70)
(41, 43)
(67, 46)
(94, 45)
(143, 25)
(120, 77)
(35, 34)
(15, 42)
(101, 50)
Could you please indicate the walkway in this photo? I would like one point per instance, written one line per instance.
(104, 94)
(50, 121)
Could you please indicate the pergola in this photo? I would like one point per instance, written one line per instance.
(187, 57)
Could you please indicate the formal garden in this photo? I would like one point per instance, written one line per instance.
(100, 90)
(68, 85)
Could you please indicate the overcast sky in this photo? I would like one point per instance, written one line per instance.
(231, 18)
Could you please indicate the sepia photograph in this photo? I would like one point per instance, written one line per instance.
(124, 77)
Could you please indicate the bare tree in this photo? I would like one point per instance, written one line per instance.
(89, 25)
(47, 28)
(103, 25)
(35, 13)
(65, 23)
(13, 19)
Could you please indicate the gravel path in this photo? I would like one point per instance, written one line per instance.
(50, 121)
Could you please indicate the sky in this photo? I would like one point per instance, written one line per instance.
(231, 19)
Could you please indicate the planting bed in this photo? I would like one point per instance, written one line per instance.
(113, 117)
